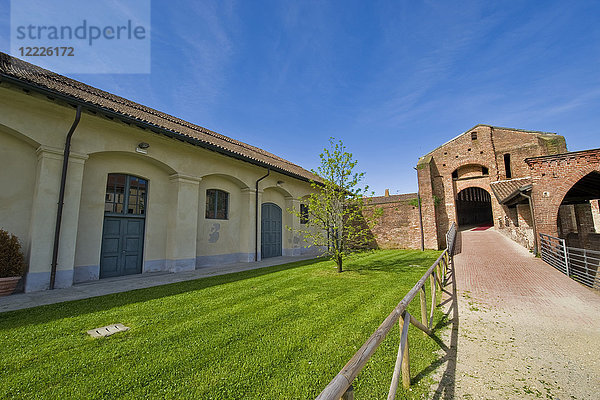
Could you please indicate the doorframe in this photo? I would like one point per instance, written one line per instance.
(124, 216)
(280, 231)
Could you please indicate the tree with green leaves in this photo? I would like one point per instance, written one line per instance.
(333, 212)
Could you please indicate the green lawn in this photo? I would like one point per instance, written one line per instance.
(278, 332)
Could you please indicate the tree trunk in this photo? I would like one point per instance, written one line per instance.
(338, 260)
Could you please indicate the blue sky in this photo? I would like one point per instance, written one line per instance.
(393, 79)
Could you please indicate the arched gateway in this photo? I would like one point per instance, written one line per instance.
(473, 207)
(578, 219)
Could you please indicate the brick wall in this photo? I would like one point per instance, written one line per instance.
(566, 220)
(481, 147)
(553, 177)
(577, 226)
(518, 225)
(430, 223)
(469, 171)
(478, 157)
(398, 227)
(521, 145)
(595, 204)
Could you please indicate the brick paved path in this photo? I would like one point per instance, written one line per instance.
(523, 330)
(500, 272)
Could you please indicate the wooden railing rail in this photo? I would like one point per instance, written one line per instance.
(341, 385)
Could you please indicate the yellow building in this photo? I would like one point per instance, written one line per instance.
(143, 191)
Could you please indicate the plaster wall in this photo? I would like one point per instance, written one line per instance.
(17, 179)
(222, 236)
(91, 215)
(177, 234)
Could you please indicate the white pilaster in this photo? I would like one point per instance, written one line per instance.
(247, 225)
(182, 227)
(43, 218)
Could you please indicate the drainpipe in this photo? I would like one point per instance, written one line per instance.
(61, 196)
(421, 223)
(535, 239)
(495, 155)
(256, 215)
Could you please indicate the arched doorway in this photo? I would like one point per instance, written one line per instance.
(578, 219)
(473, 207)
(270, 237)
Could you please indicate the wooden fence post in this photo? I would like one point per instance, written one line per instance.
(405, 356)
(349, 394)
(340, 387)
(402, 366)
(432, 284)
(423, 306)
(445, 269)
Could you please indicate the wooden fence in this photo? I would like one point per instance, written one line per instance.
(341, 385)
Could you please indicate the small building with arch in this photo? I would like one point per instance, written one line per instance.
(481, 177)
(143, 191)
(520, 182)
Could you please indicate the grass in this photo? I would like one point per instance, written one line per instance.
(278, 332)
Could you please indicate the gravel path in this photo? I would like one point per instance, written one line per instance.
(524, 330)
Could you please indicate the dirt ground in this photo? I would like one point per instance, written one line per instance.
(523, 330)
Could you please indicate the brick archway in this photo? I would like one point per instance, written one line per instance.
(553, 177)
(472, 160)
(473, 206)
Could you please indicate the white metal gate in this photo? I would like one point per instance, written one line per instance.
(579, 264)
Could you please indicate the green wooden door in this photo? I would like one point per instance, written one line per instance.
(124, 224)
(122, 246)
(270, 245)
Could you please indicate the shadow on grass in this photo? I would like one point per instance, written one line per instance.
(446, 385)
(51, 312)
(412, 259)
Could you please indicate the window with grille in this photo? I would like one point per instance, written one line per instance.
(217, 204)
(125, 194)
(304, 213)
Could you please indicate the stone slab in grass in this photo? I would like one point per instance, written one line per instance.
(107, 330)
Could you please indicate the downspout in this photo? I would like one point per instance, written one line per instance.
(421, 223)
(256, 215)
(61, 196)
(495, 155)
(535, 239)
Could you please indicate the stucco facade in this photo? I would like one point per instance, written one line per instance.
(177, 235)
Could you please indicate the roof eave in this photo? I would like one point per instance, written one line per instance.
(513, 198)
(144, 124)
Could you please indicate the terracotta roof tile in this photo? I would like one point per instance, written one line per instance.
(506, 190)
(32, 74)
